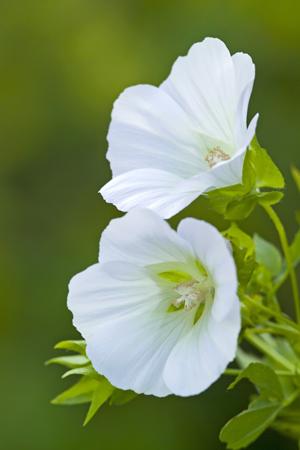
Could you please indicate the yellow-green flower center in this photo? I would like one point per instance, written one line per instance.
(192, 293)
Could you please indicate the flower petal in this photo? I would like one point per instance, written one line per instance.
(211, 249)
(150, 130)
(245, 74)
(129, 337)
(160, 191)
(142, 237)
(203, 83)
(201, 356)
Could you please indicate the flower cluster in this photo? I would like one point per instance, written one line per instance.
(162, 310)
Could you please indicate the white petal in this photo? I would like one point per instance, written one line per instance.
(245, 74)
(150, 130)
(203, 83)
(212, 251)
(143, 238)
(201, 356)
(228, 173)
(129, 337)
(160, 191)
(94, 295)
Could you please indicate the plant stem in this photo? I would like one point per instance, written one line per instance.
(236, 372)
(279, 316)
(266, 349)
(286, 250)
(291, 398)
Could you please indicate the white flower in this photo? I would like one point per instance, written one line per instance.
(170, 144)
(159, 312)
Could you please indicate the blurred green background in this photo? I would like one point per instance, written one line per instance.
(63, 62)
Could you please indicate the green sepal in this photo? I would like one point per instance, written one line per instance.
(267, 174)
(72, 361)
(92, 387)
(102, 392)
(120, 397)
(259, 171)
(86, 370)
(81, 392)
(77, 346)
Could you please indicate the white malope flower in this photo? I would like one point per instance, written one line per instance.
(159, 312)
(169, 144)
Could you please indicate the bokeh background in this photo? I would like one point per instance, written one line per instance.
(63, 62)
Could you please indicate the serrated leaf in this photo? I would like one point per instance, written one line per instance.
(120, 397)
(100, 395)
(268, 255)
(80, 392)
(71, 361)
(77, 346)
(264, 378)
(266, 171)
(247, 426)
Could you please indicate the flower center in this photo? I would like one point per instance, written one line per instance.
(216, 155)
(192, 293)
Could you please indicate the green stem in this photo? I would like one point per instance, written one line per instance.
(233, 372)
(266, 349)
(291, 398)
(277, 315)
(286, 250)
(236, 372)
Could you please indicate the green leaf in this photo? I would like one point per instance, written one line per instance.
(247, 426)
(264, 378)
(295, 249)
(269, 198)
(268, 255)
(296, 176)
(289, 429)
(266, 172)
(240, 209)
(222, 197)
(120, 397)
(243, 252)
(100, 395)
(69, 361)
(74, 346)
(80, 392)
